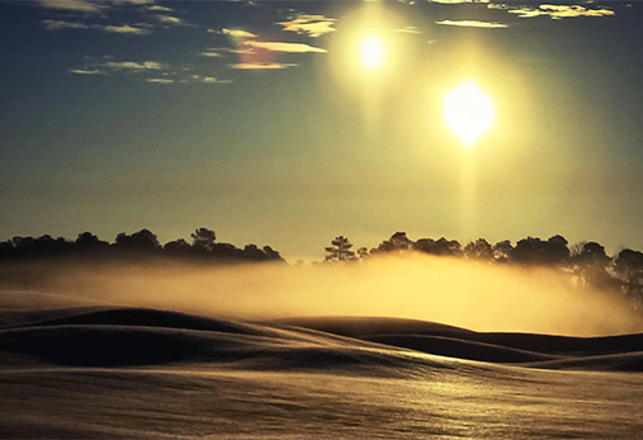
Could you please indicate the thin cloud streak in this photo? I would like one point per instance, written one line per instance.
(261, 66)
(277, 46)
(87, 72)
(555, 12)
(72, 5)
(125, 29)
(236, 33)
(473, 23)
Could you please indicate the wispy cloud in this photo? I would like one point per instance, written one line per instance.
(133, 65)
(133, 2)
(457, 2)
(206, 79)
(235, 33)
(87, 71)
(277, 46)
(169, 19)
(159, 8)
(211, 54)
(472, 23)
(408, 30)
(159, 80)
(152, 16)
(556, 12)
(52, 25)
(85, 6)
(125, 29)
(153, 72)
(261, 66)
(311, 25)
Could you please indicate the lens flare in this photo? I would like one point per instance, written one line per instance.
(469, 112)
(372, 52)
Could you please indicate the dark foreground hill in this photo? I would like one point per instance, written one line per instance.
(120, 337)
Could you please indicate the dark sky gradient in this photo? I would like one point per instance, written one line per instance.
(289, 157)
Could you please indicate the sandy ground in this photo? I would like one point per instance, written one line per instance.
(140, 373)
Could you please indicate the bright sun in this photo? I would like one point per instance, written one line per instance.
(372, 52)
(469, 112)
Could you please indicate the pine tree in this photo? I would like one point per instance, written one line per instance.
(340, 250)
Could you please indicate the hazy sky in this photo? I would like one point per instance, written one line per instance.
(257, 120)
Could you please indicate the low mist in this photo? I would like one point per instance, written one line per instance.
(474, 295)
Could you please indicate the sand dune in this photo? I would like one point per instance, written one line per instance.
(137, 336)
(142, 373)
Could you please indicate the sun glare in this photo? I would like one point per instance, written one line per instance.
(469, 112)
(372, 52)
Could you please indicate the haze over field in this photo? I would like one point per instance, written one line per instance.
(476, 295)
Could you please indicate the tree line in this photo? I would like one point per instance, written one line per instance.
(144, 243)
(588, 261)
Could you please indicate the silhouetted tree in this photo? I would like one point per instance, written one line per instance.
(177, 248)
(88, 243)
(535, 251)
(6, 249)
(362, 252)
(629, 268)
(398, 242)
(203, 240)
(272, 254)
(479, 249)
(143, 241)
(442, 247)
(589, 262)
(557, 250)
(140, 244)
(502, 251)
(340, 250)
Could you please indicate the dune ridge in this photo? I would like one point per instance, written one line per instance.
(114, 337)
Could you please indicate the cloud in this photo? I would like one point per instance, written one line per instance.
(261, 66)
(160, 80)
(214, 80)
(556, 12)
(211, 54)
(472, 23)
(133, 2)
(217, 52)
(408, 30)
(159, 8)
(236, 33)
(125, 29)
(152, 72)
(52, 25)
(168, 19)
(133, 65)
(86, 6)
(312, 25)
(457, 2)
(277, 46)
(87, 71)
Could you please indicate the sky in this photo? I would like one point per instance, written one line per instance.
(261, 120)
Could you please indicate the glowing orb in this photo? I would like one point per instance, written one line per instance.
(372, 53)
(469, 112)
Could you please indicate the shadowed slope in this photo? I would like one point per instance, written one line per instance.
(127, 337)
(543, 351)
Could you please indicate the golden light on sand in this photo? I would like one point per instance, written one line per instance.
(372, 52)
(469, 112)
